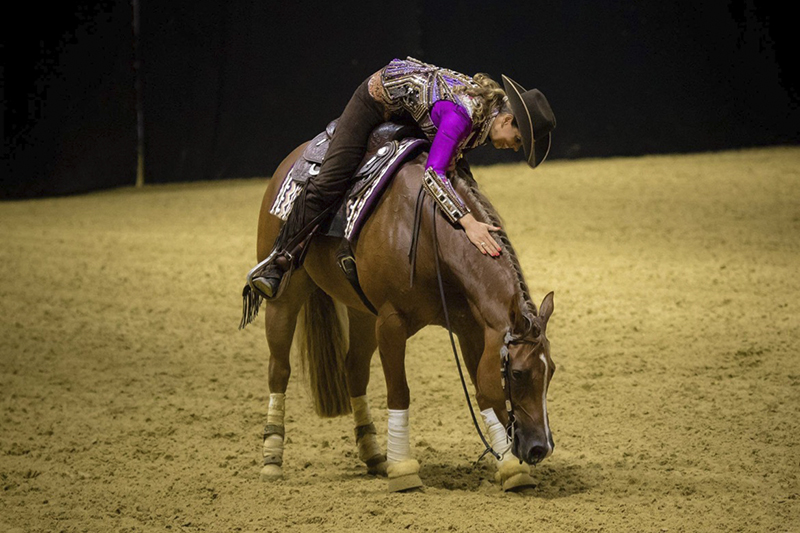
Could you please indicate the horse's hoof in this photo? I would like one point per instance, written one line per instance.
(271, 473)
(404, 476)
(405, 483)
(521, 483)
(514, 476)
(377, 466)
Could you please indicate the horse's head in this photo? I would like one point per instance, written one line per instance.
(526, 369)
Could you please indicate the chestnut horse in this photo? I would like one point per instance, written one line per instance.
(487, 303)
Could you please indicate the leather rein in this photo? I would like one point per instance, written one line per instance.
(508, 340)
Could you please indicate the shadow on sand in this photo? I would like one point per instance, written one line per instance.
(553, 479)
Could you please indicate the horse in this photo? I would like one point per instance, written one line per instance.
(500, 331)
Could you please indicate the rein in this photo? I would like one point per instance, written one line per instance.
(508, 339)
(488, 447)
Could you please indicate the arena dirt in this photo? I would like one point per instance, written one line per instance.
(130, 402)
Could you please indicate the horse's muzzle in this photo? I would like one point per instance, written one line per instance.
(536, 454)
(532, 451)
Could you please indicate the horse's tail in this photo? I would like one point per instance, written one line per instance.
(323, 347)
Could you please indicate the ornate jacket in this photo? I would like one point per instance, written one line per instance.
(428, 93)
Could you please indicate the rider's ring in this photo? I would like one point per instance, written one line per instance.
(483, 244)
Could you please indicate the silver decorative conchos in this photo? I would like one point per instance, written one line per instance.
(387, 155)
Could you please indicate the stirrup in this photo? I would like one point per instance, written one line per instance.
(259, 268)
(252, 295)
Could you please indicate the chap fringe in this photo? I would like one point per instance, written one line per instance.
(251, 302)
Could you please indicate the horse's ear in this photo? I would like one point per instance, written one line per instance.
(546, 309)
(519, 322)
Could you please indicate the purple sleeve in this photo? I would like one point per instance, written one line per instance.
(453, 125)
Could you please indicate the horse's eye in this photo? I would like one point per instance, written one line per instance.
(517, 374)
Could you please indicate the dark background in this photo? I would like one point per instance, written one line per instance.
(229, 88)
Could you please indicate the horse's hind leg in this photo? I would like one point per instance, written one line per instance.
(359, 356)
(280, 318)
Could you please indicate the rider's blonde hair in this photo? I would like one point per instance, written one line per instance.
(490, 97)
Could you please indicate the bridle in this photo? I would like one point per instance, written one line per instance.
(505, 380)
(505, 377)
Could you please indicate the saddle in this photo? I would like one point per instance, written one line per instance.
(390, 145)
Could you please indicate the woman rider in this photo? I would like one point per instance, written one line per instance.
(455, 111)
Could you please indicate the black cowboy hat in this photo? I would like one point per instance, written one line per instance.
(534, 118)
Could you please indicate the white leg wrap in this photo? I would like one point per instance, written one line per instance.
(511, 474)
(272, 449)
(398, 447)
(496, 431)
(273, 444)
(276, 410)
(361, 414)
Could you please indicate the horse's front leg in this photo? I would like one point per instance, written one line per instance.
(511, 474)
(392, 333)
(359, 356)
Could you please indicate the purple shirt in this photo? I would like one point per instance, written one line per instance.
(453, 127)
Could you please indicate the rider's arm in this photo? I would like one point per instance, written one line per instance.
(453, 126)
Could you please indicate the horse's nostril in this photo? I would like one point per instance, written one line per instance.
(536, 454)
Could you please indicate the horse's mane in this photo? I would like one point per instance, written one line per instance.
(489, 214)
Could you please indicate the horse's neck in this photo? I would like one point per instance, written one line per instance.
(492, 285)
(487, 283)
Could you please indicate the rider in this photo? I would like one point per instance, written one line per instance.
(455, 111)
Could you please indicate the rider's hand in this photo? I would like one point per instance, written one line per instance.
(478, 234)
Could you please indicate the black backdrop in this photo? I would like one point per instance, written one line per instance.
(229, 88)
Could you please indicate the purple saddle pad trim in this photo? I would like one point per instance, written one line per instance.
(407, 148)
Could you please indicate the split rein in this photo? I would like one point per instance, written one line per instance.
(508, 339)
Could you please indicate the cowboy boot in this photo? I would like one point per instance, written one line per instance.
(288, 254)
(269, 280)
